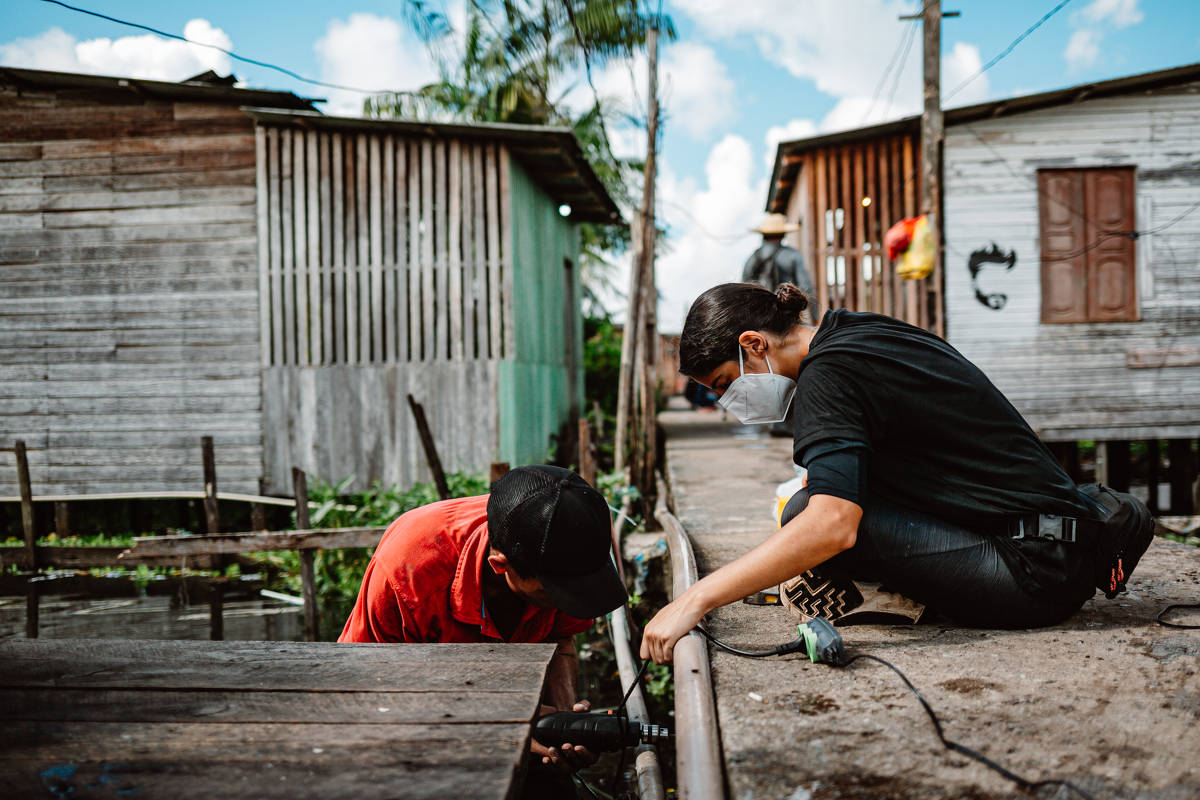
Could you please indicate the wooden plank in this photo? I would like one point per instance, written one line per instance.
(275, 245)
(353, 255)
(12, 555)
(396, 707)
(316, 671)
(338, 273)
(300, 265)
(467, 242)
(1157, 357)
(821, 206)
(312, 180)
(441, 327)
(264, 246)
(480, 267)
(325, 200)
(321, 539)
(365, 262)
(388, 313)
(287, 226)
(454, 244)
(846, 240)
(212, 515)
(375, 192)
(400, 309)
(415, 304)
(507, 264)
(861, 299)
(115, 655)
(492, 170)
(884, 201)
(428, 280)
(871, 230)
(253, 762)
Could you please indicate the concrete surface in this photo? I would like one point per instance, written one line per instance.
(1109, 700)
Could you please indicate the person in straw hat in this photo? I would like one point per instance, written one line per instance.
(774, 263)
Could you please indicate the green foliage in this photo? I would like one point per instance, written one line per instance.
(601, 362)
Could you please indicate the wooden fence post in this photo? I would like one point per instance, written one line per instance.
(587, 464)
(307, 557)
(212, 515)
(216, 611)
(431, 454)
(31, 595)
(62, 519)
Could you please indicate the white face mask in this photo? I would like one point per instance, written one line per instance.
(759, 397)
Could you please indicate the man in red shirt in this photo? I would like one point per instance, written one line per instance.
(529, 562)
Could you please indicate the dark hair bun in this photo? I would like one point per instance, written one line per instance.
(791, 299)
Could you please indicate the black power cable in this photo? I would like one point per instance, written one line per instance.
(1024, 783)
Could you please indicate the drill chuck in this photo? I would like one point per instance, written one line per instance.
(598, 732)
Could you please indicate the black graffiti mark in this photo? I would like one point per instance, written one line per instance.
(975, 263)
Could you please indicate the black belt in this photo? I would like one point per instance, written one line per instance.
(1043, 526)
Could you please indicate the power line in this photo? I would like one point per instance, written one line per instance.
(886, 72)
(912, 35)
(230, 53)
(1003, 53)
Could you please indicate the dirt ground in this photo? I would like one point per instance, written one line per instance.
(1109, 700)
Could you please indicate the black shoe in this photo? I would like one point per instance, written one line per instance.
(817, 593)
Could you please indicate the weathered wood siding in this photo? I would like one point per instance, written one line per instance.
(383, 272)
(128, 292)
(1077, 381)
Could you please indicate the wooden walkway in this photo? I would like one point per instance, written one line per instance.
(103, 718)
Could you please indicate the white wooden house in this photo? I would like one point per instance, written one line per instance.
(1071, 270)
(189, 259)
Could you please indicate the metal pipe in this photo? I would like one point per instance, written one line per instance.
(697, 746)
(649, 774)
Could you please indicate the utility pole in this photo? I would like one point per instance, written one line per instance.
(932, 131)
(636, 431)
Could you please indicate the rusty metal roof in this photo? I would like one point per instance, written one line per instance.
(552, 155)
(191, 90)
(784, 174)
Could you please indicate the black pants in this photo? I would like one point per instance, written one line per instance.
(974, 578)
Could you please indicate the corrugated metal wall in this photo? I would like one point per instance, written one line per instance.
(128, 293)
(384, 270)
(1084, 380)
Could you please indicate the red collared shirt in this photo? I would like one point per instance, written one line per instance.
(423, 584)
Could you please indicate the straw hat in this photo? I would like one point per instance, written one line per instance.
(776, 225)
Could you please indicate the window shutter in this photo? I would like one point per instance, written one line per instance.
(1111, 277)
(1062, 227)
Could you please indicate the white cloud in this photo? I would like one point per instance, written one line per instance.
(709, 224)
(371, 52)
(145, 56)
(842, 45)
(961, 63)
(1083, 48)
(1121, 13)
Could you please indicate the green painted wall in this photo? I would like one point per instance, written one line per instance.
(534, 390)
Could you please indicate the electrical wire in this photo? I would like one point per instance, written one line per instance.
(996, 59)
(230, 53)
(895, 59)
(949, 744)
(623, 714)
(912, 35)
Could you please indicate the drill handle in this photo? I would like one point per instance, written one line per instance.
(598, 732)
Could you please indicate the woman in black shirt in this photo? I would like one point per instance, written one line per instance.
(922, 476)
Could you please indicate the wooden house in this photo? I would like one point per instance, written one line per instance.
(1071, 224)
(187, 259)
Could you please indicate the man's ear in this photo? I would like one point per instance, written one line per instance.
(498, 562)
(753, 342)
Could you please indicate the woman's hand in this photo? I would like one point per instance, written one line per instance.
(670, 625)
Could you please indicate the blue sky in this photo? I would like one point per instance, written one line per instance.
(742, 75)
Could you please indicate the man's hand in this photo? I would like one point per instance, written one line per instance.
(567, 758)
(669, 625)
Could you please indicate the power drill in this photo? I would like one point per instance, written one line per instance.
(600, 732)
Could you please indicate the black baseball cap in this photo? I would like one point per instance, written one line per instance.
(553, 526)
